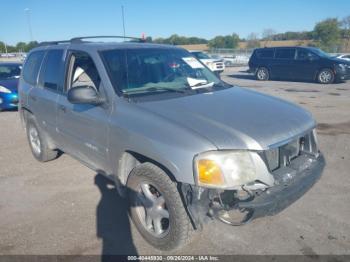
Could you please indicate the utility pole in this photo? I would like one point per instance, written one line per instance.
(27, 11)
(123, 21)
(5, 49)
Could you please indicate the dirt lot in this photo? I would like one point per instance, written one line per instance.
(62, 207)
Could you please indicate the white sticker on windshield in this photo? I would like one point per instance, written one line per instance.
(193, 62)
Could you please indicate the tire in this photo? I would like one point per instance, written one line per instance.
(153, 195)
(37, 141)
(325, 76)
(262, 74)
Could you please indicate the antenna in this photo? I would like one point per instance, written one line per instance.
(27, 11)
(123, 20)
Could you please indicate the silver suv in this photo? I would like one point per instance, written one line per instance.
(183, 146)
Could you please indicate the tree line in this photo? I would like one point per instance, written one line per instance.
(19, 47)
(332, 35)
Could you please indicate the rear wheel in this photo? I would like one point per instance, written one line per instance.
(262, 74)
(156, 208)
(325, 76)
(38, 143)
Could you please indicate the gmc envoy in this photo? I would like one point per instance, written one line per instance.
(181, 145)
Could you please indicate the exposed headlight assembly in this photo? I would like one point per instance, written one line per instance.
(342, 66)
(4, 90)
(229, 169)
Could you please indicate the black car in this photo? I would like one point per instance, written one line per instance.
(298, 63)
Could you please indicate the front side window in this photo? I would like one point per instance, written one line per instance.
(288, 53)
(8, 71)
(147, 69)
(83, 71)
(305, 55)
(32, 66)
(52, 70)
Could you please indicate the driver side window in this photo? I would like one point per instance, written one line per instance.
(306, 55)
(82, 72)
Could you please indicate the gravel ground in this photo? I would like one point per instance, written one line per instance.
(62, 207)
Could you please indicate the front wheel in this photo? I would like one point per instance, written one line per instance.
(156, 208)
(325, 76)
(262, 74)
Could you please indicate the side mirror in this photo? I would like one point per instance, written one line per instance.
(84, 95)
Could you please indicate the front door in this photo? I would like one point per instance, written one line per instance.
(307, 64)
(83, 128)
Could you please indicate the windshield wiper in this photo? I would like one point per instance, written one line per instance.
(155, 89)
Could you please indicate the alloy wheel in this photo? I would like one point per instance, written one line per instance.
(34, 140)
(152, 210)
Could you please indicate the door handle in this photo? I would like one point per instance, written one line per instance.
(63, 108)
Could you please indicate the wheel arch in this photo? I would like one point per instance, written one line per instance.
(130, 160)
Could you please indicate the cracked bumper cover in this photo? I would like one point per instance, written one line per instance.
(277, 198)
(267, 203)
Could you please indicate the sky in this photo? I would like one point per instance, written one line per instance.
(64, 19)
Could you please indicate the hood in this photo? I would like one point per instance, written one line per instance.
(212, 60)
(235, 118)
(10, 84)
(340, 60)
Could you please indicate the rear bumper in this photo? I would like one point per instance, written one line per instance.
(279, 197)
(8, 101)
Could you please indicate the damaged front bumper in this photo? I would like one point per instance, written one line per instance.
(235, 208)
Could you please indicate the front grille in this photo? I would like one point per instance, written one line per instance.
(282, 156)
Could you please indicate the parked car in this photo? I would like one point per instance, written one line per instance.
(9, 75)
(344, 56)
(298, 63)
(215, 65)
(182, 145)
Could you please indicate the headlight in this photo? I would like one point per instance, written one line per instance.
(4, 90)
(209, 64)
(225, 169)
(342, 66)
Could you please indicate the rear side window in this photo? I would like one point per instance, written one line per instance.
(32, 66)
(268, 53)
(285, 53)
(52, 70)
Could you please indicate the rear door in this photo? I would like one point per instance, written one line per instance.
(29, 79)
(83, 128)
(44, 97)
(283, 63)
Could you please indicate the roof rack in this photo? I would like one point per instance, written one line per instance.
(76, 40)
(80, 39)
(53, 42)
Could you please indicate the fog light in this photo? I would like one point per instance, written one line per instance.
(1, 100)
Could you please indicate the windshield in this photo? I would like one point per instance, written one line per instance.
(201, 55)
(9, 71)
(156, 69)
(320, 53)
